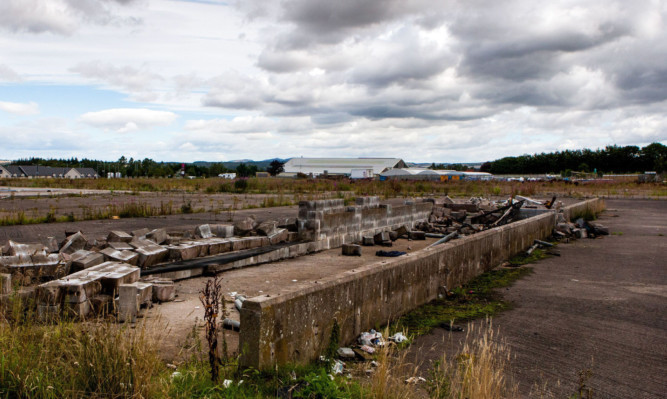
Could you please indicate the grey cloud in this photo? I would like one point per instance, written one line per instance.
(126, 77)
(60, 16)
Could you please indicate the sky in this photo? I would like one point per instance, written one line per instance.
(422, 80)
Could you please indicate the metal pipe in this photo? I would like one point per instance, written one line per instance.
(229, 324)
(445, 239)
(213, 260)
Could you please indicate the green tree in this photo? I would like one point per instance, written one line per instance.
(276, 167)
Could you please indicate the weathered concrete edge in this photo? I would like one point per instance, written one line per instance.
(295, 326)
(594, 205)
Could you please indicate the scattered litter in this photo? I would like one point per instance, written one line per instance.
(176, 374)
(374, 363)
(171, 366)
(368, 349)
(371, 338)
(390, 254)
(415, 380)
(398, 337)
(294, 281)
(337, 367)
(345, 353)
(227, 383)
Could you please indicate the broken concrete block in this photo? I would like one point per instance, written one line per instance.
(243, 227)
(88, 260)
(579, 233)
(127, 303)
(222, 230)
(203, 231)
(367, 241)
(48, 313)
(183, 251)
(417, 235)
(278, 236)
(267, 228)
(387, 243)
(158, 236)
(401, 231)
(141, 233)
(124, 256)
(120, 245)
(564, 228)
(393, 236)
(288, 223)
(17, 249)
(163, 291)
(51, 244)
(380, 237)
(118, 236)
(351, 250)
(599, 229)
(74, 243)
(5, 283)
(149, 252)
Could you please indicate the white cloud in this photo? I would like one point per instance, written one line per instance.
(22, 109)
(125, 120)
(8, 75)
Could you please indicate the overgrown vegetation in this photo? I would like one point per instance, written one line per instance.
(479, 370)
(471, 301)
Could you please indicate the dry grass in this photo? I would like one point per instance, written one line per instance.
(72, 359)
(479, 370)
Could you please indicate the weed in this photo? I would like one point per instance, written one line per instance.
(479, 370)
(475, 299)
(523, 259)
(617, 233)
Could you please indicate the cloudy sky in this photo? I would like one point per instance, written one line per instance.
(424, 80)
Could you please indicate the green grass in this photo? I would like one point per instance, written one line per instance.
(523, 259)
(474, 300)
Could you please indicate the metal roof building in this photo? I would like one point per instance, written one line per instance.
(342, 166)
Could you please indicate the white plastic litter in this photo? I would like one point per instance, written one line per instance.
(398, 337)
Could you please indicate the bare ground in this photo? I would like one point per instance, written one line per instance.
(600, 306)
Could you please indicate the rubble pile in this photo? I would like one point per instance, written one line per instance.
(579, 229)
(472, 216)
(30, 264)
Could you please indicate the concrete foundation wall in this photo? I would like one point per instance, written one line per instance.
(595, 205)
(333, 224)
(295, 327)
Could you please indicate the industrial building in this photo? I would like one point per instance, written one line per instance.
(355, 168)
(423, 174)
(36, 171)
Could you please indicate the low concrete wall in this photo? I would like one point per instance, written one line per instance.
(295, 327)
(595, 205)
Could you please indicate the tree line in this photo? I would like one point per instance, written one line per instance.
(611, 159)
(150, 168)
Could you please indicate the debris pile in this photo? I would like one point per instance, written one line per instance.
(579, 229)
(30, 264)
(472, 216)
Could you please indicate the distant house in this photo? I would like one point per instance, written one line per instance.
(4, 173)
(227, 175)
(36, 171)
(355, 167)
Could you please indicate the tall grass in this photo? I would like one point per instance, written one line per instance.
(67, 359)
(480, 370)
